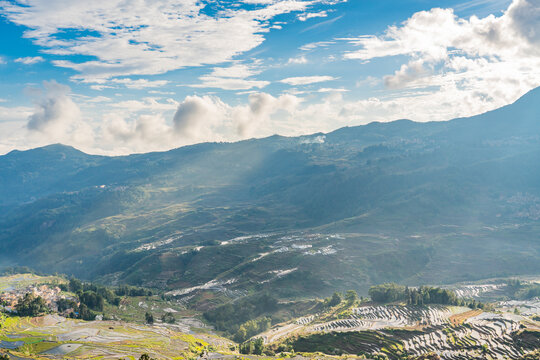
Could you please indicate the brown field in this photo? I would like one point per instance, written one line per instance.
(458, 319)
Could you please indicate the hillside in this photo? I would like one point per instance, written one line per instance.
(402, 201)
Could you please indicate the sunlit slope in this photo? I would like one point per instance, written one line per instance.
(414, 202)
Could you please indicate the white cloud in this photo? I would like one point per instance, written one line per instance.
(315, 45)
(145, 133)
(306, 16)
(231, 78)
(256, 118)
(438, 34)
(326, 90)
(475, 64)
(100, 87)
(139, 83)
(406, 74)
(2, 60)
(447, 67)
(147, 104)
(298, 60)
(130, 37)
(16, 113)
(305, 80)
(30, 60)
(56, 117)
(99, 99)
(230, 83)
(199, 117)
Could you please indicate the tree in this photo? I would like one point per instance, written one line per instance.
(335, 299)
(149, 318)
(252, 347)
(85, 313)
(31, 305)
(146, 357)
(75, 285)
(93, 300)
(351, 296)
(65, 304)
(258, 346)
(168, 318)
(387, 293)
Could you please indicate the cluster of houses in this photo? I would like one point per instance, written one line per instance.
(50, 294)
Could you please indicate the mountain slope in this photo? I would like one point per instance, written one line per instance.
(403, 201)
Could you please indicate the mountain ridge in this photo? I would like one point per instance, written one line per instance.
(530, 96)
(401, 201)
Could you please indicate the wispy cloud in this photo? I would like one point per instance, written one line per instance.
(322, 23)
(305, 80)
(306, 16)
(144, 38)
(30, 60)
(298, 60)
(235, 77)
(139, 83)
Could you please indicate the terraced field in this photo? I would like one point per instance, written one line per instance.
(369, 318)
(56, 337)
(395, 330)
(480, 335)
(380, 317)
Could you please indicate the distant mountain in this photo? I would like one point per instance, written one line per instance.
(402, 201)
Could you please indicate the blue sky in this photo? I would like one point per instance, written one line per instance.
(117, 77)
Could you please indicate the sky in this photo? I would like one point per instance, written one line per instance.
(129, 76)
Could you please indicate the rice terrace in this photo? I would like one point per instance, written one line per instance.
(270, 180)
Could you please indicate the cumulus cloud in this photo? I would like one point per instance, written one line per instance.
(199, 117)
(142, 134)
(475, 64)
(438, 34)
(525, 19)
(447, 67)
(407, 73)
(145, 37)
(306, 80)
(258, 114)
(30, 60)
(196, 119)
(56, 117)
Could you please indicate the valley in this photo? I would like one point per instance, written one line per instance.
(247, 246)
(351, 327)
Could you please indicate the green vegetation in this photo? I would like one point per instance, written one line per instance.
(411, 202)
(31, 305)
(422, 295)
(149, 318)
(387, 293)
(357, 343)
(146, 357)
(240, 319)
(255, 347)
(168, 318)
(522, 290)
(334, 300)
(251, 328)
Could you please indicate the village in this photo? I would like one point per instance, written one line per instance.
(50, 295)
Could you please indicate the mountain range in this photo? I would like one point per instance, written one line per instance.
(415, 203)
